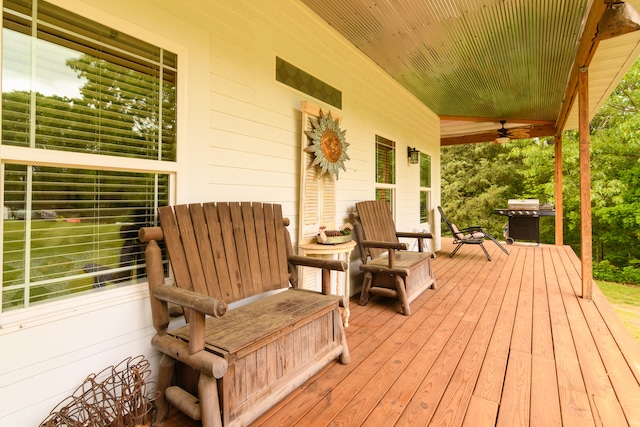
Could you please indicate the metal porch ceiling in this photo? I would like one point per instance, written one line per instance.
(475, 62)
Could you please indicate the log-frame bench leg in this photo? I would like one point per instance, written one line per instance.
(434, 285)
(346, 311)
(209, 402)
(165, 375)
(345, 356)
(401, 288)
(366, 285)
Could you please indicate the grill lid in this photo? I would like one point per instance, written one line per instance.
(530, 204)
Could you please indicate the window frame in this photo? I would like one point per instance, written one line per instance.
(425, 190)
(87, 302)
(392, 186)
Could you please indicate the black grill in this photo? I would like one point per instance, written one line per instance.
(524, 219)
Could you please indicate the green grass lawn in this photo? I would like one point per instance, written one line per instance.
(59, 252)
(626, 302)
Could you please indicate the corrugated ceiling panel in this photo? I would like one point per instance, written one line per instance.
(473, 58)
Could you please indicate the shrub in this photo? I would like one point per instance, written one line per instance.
(604, 270)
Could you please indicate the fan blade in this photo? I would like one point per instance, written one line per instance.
(518, 133)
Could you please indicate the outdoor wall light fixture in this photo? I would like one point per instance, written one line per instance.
(414, 155)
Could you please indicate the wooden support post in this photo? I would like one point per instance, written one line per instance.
(585, 183)
(559, 194)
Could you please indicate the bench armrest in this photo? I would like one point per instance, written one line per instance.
(328, 264)
(384, 245)
(186, 298)
(325, 264)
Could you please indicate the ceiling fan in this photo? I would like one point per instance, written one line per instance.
(504, 135)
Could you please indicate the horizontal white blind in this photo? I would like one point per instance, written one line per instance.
(385, 161)
(425, 170)
(70, 84)
(425, 188)
(91, 88)
(78, 230)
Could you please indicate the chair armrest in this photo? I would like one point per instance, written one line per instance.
(384, 245)
(328, 264)
(186, 298)
(414, 234)
(475, 232)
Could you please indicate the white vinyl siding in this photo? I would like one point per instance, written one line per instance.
(239, 134)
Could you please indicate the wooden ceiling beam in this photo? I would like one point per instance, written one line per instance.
(496, 120)
(584, 54)
(534, 132)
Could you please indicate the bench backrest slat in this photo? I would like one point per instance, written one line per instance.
(262, 246)
(217, 249)
(227, 250)
(279, 234)
(175, 248)
(204, 247)
(251, 226)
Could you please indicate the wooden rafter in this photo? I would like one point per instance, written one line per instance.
(534, 131)
(496, 120)
(584, 54)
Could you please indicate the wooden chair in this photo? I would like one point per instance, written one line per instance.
(389, 269)
(229, 367)
(474, 235)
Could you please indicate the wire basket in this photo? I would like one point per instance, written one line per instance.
(118, 396)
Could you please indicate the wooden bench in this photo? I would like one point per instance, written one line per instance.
(227, 367)
(389, 269)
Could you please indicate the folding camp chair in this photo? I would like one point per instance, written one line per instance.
(474, 235)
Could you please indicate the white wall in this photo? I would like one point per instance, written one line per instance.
(239, 132)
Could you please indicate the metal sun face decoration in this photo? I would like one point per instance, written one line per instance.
(327, 144)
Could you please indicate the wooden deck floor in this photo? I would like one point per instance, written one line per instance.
(507, 342)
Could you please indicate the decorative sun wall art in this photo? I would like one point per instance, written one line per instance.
(327, 144)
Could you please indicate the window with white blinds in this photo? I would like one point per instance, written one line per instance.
(385, 170)
(70, 84)
(425, 188)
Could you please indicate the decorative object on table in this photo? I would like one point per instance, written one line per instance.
(334, 237)
(327, 144)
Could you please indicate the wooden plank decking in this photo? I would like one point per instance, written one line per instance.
(507, 342)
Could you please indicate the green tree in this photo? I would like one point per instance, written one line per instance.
(476, 179)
